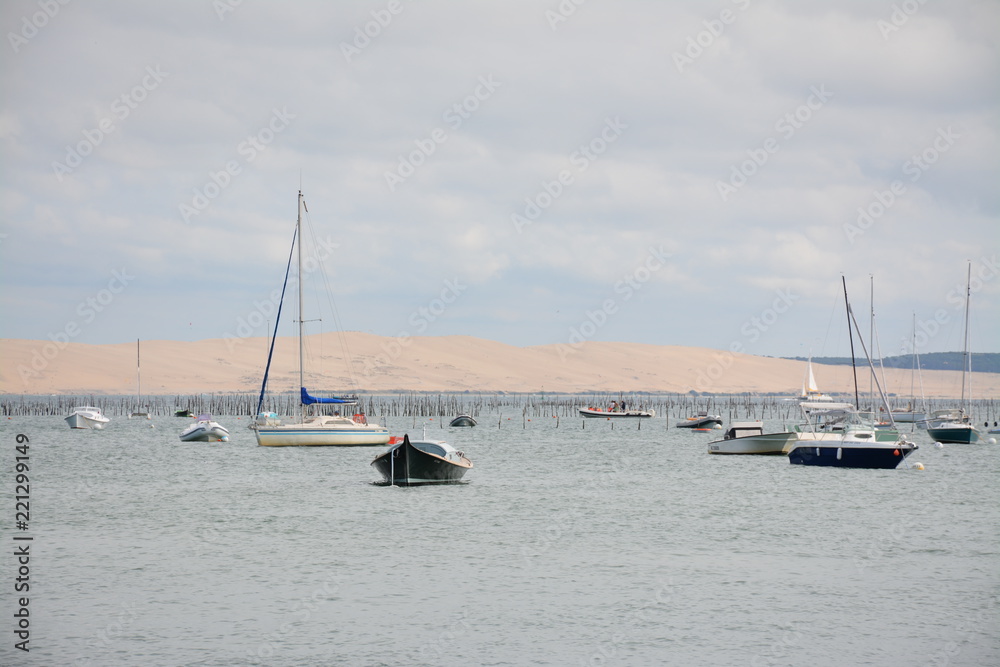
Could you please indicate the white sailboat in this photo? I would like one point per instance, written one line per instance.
(315, 429)
(810, 390)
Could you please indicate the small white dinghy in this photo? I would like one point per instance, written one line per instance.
(205, 430)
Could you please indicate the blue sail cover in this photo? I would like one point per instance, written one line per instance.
(309, 400)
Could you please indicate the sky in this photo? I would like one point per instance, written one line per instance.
(671, 173)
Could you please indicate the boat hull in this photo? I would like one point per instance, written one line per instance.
(909, 417)
(701, 422)
(957, 435)
(405, 465)
(205, 433)
(84, 421)
(611, 414)
(766, 444)
(845, 455)
(297, 435)
(463, 420)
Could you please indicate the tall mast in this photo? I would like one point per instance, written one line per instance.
(850, 336)
(138, 375)
(965, 341)
(298, 232)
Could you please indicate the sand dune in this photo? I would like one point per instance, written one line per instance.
(447, 363)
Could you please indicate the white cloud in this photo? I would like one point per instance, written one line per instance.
(655, 184)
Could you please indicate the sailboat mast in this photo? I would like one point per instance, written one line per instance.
(965, 341)
(138, 373)
(298, 232)
(850, 336)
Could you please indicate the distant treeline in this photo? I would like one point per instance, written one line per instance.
(985, 362)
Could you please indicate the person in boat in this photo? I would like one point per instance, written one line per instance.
(614, 406)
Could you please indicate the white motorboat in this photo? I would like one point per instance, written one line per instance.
(855, 445)
(318, 429)
(837, 435)
(749, 438)
(205, 430)
(87, 417)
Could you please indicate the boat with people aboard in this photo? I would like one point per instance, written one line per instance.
(421, 462)
(593, 412)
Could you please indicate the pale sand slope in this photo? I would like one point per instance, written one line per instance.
(448, 363)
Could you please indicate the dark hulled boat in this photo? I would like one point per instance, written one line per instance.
(419, 462)
(463, 420)
(851, 453)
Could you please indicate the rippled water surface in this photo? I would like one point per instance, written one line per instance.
(570, 544)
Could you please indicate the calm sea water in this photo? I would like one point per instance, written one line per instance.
(603, 545)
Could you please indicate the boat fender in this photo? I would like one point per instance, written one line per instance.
(896, 453)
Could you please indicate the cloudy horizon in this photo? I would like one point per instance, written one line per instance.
(689, 173)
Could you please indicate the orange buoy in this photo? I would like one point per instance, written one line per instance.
(896, 452)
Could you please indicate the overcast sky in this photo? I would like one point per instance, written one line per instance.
(682, 173)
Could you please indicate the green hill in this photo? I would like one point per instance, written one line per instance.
(985, 362)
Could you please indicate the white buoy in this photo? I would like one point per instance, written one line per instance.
(918, 466)
(938, 445)
(992, 441)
